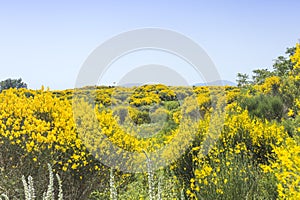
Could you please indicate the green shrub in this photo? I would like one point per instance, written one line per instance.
(264, 106)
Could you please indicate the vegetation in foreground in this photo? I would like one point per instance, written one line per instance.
(239, 142)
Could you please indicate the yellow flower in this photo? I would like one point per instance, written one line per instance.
(290, 113)
(64, 168)
(220, 191)
(74, 166)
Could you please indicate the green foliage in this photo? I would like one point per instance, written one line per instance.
(260, 75)
(29, 188)
(139, 115)
(242, 80)
(171, 105)
(4, 196)
(283, 65)
(264, 106)
(291, 126)
(236, 177)
(281, 68)
(12, 83)
(160, 115)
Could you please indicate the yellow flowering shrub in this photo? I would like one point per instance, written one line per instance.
(228, 169)
(287, 169)
(296, 57)
(271, 84)
(37, 121)
(37, 128)
(201, 137)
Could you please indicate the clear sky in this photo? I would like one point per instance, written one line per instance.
(46, 42)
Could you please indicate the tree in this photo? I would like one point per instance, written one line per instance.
(283, 65)
(260, 75)
(12, 83)
(242, 79)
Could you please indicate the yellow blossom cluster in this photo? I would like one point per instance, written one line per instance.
(287, 169)
(43, 126)
(222, 150)
(271, 84)
(243, 144)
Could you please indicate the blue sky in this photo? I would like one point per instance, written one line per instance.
(46, 42)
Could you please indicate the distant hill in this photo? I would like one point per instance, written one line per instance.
(214, 83)
(217, 83)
